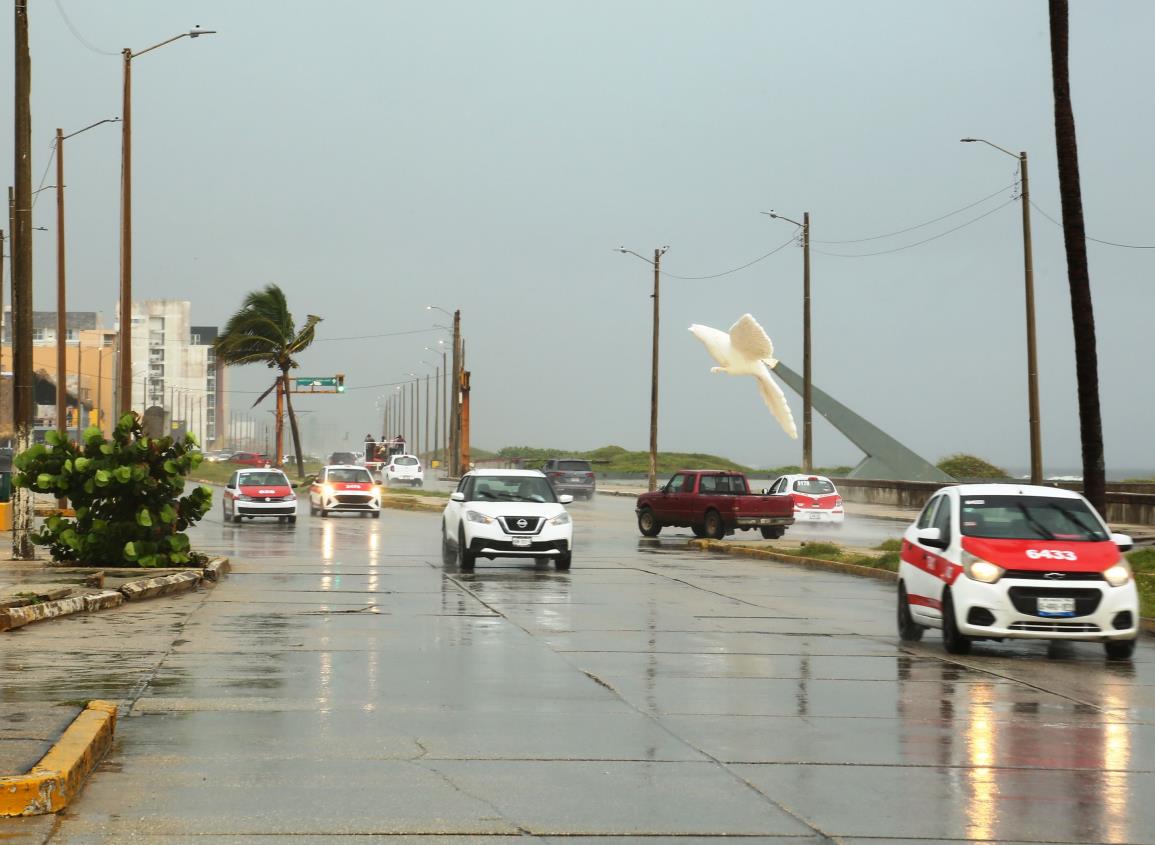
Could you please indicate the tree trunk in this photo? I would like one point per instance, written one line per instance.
(293, 424)
(1078, 275)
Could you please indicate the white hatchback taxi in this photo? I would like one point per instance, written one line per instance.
(506, 513)
(991, 561)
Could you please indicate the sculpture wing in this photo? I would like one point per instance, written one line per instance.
(717, 343)
(775, 400)
(750, 340)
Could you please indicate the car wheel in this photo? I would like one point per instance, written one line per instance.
(465, 558)
(648, 523)
(772, 532)
(563, 561)
(952, 640)
(908, 630)
(448, 554)
(1119, 649)
(715, 528)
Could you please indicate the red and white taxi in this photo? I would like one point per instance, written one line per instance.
(344, 488)
(815, 498)
(259, 492)
(988, 561)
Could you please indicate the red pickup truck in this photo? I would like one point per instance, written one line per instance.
(713, 504)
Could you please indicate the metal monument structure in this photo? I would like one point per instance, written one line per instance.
(886, 459)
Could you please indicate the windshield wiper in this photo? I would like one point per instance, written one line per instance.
(1038, 526)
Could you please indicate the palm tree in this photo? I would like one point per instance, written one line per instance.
(1078, 276)
(262, 331)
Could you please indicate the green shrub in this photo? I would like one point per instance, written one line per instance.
(126, 492)
(961, 466)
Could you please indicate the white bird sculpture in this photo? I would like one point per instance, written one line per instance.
(747, 351)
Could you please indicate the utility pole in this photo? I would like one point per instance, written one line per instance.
(807, 382)
(22, 381)
(455, 470)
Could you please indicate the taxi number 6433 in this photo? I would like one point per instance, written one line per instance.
(1051, 554)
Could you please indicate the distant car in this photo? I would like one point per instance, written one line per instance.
(993, 561)
(253, 493)
(344, 489)
(404, 469)
(250, 459)
(343, 459)
(506, 513)
(571, 475)
(816, 498)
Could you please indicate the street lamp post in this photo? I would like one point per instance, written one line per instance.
(61, 308)
(807, 431)
(125, 336)
(1029, 286)
(455, 467)
(657, 265)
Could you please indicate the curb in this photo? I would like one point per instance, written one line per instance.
(60, 774)
(1145, 624)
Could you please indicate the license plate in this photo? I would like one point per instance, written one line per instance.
(1056, 606)
(522, 541)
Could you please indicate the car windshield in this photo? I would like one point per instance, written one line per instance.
(263, 479)
(1030, 518)
(574, 466)
(405, 461)
(354, 475)
(512, 488)
(813, 486)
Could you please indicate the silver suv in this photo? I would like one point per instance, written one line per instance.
(571, 475)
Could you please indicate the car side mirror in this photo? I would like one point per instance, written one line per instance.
(930, 537)
(457, 496)
(1123, 541)
(565, 499)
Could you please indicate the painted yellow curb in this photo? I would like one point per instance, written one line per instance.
(57, 778)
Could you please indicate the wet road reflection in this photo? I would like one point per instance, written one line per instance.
(344, 681)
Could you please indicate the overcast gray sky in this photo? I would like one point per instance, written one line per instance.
(373, 157)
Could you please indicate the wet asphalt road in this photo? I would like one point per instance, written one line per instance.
(343, 682)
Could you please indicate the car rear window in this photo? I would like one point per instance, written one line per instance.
(263, 479)
(405, 461)
(813, 486)
(574, 466)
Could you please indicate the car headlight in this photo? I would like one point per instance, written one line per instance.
(477, 516)
(978, 569)
(1119, 574)
(562, 518)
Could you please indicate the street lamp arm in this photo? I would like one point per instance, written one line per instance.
(192, 33)
(989, 144)
(91, 126)
(776, 216)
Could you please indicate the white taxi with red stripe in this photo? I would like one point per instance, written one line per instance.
(259, 492)
(816, 498)
(990, 561)
(344, 488)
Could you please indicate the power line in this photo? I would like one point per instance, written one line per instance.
(920, 225)
(1088, 237)
(917, 243)
(793, 239)
(76, 33)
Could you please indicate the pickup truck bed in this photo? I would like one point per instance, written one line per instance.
(713, 503)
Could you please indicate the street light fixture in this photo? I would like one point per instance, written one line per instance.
(1029, 286)
(807, 432)
(61, 308)
(656, 263)
(125, 337)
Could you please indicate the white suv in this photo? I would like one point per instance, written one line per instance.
(404, 469)
(506, 513)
